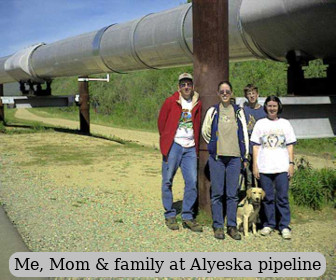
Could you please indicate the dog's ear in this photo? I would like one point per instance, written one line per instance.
(263, 194)
(249, 193)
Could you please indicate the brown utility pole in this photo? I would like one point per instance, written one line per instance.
(211, 65)
(2, 111)
(84, 105)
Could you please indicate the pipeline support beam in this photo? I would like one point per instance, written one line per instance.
(211, 65)
(2, 111)
(84, 106)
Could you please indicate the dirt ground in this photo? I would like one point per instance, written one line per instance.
(106, 169)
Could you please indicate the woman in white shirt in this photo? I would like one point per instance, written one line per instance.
(273, 163)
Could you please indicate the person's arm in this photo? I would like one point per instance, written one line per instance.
(246, 137)
(207, 123)
(163, 115)
(290, 149)
(290, 141)
(255, 165)
(256, 142)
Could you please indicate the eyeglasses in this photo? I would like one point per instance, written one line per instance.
(227, 91)
(182, 85)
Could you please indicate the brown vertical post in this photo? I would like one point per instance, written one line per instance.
(295, 79)
(84, 105)
(2, 111)
(211, 65)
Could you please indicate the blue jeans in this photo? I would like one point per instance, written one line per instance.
(186, 159)
(278, 200)
(224, 175)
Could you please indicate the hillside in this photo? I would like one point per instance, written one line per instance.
(134, 99)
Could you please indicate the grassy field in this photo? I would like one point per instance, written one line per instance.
(325, 147)
(70, 192)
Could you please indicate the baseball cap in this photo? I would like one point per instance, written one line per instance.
(185, 76)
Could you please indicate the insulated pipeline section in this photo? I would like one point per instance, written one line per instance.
(257, 29)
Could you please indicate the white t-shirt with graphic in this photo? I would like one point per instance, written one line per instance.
(273, 138)
(185, 133)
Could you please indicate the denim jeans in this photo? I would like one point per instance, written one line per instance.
(278, 199)
(186, 159)
(224, 175)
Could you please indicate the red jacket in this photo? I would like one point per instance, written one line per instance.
(169, 117)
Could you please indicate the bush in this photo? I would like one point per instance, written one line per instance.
(2, 128)
(313, 188)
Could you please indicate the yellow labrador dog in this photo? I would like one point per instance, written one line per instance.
(248, 210)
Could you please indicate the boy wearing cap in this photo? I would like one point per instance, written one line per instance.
(179, 127)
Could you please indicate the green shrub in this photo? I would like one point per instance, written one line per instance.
(2, 128)
(313, 188)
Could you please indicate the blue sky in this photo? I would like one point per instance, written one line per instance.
(26, 22)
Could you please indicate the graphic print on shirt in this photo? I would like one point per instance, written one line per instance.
(185, 121)
(224, 118)
(251, 123)
(274, 140)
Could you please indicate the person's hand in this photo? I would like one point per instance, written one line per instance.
(245, 164)
(290, 171)
(256, 171)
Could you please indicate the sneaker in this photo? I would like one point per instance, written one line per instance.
(233, 232)
(192, 225)
(286, 233)
(171, 223)
(266, 231)
(219, 233)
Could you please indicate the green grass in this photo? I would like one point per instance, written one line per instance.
(71, 154)
(322, 147)
(50, 153)
(302, 214)
(16, 126)
(72, 113)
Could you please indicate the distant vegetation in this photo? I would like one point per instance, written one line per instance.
(134, 99)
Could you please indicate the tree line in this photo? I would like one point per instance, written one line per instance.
(134, 99)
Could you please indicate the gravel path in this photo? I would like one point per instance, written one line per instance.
(106, 197)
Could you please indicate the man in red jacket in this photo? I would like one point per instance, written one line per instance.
(179, 127)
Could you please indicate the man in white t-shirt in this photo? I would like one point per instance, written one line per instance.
(179, 127)
(273, 164)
